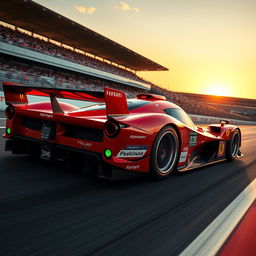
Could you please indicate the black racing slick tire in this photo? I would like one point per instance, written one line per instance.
(233, 145)
(165, 153)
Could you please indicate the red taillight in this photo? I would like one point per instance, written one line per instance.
(111, 129)
(9, 112)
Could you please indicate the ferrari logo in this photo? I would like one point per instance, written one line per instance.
(221, 148)
(227, 133)
(21, 96)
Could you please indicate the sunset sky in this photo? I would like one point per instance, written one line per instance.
(208, 45)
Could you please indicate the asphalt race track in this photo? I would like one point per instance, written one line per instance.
(47, 210)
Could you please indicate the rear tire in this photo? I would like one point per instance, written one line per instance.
(164, 153)
(233, 146)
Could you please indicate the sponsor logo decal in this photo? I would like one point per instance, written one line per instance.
(183, 157)
(137, 137)
(114, 94)
(45, 154)
(132, 167)
(221, 150)
(46, 115)
(84, 144)
(192, 139)
(133, 151)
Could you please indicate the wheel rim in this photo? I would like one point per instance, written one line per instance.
(235, 145)
(166, 152)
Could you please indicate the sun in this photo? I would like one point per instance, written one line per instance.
(218, 90)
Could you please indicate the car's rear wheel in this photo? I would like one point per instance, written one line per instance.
(233, 146)
(165, 153)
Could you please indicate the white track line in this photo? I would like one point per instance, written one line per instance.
(2, 127)
(213, 237)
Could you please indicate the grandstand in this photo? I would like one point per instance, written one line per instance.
(224, 100)
(209, 105)
(61, 52)
(237, 106)
(27, 72)
(22, 40)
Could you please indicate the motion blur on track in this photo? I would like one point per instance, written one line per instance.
(46, 209)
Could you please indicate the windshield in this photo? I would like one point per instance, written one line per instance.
(181, 115)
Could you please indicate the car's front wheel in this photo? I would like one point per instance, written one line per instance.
(165, 153)
(233, 146)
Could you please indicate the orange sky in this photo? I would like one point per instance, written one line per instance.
(209, 46)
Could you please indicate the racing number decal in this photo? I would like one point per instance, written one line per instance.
(192, 139)
(221, 148)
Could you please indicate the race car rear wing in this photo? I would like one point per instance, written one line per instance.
(116, 103)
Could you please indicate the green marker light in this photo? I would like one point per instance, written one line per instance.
(8, 130)
(108, 153)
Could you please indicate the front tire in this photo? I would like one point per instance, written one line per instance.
(233, 146)
(164, 153)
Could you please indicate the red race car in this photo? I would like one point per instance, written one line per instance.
(145, 135)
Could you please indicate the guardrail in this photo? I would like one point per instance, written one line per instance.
(210, 119)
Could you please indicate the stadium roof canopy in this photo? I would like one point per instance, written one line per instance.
(36, 18)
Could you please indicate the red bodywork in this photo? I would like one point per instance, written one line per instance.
(83, 130)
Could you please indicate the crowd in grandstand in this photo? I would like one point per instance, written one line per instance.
(29, 74)
(21, 39)
(197, 107)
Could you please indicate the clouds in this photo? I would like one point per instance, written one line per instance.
(85, 10)
(123, 6)
(126, 7)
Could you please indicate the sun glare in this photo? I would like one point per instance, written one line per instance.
(218, 90)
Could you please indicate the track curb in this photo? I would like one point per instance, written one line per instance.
(214, 236)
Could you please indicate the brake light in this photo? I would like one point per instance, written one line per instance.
(9, 112)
